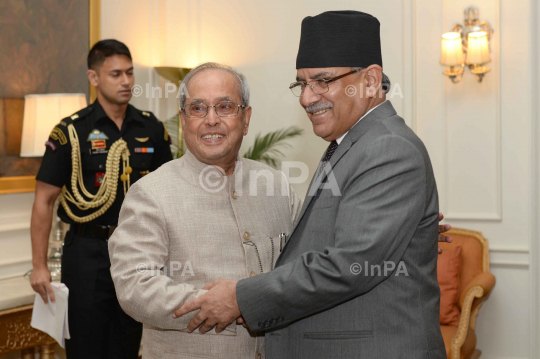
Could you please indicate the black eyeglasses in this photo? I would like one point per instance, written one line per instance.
(223, 109)
(317, 86)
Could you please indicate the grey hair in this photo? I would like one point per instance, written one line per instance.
(385, 80)
(242, 81)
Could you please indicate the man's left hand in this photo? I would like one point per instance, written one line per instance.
(443, 228)
(218, 307)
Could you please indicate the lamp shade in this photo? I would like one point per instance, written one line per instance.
(451, 49)
(41, 114)
(477, 48)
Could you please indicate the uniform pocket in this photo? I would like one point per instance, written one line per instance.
(93, 163)
(140, 161)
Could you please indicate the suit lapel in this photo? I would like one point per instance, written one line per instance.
(309, 198)
(385, 110)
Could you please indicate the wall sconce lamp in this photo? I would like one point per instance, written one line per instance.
(467, 44)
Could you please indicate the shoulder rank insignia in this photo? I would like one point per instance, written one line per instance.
(63, 123)
(74, 117)
(96, 135)
(142, 139)
(58, 135)
(146, 113)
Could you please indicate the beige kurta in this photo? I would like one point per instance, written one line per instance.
(185, 225)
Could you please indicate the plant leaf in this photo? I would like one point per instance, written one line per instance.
(268, 147)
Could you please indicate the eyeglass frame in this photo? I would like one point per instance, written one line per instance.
(215, 109)
(325, 81)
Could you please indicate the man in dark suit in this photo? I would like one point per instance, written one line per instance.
(357, 278)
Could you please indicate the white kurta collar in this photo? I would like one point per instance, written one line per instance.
(200, 166)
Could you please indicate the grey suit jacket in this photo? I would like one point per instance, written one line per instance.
(358, 276)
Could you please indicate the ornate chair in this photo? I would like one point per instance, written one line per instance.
(475, 283)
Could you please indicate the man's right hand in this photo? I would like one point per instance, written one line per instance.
(40, 228)
(41, 283)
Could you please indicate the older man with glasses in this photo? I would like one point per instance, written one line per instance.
(197, 219)
(358, 276)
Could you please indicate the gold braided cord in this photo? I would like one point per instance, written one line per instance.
(76, 175)
(106, 194)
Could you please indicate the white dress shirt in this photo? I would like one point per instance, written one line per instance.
(345, 134)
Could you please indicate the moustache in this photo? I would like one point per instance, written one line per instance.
(319, 106)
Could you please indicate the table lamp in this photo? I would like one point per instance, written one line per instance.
(41, 114)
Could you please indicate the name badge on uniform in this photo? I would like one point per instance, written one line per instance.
(144, 149)
(99, 143)
(99, 151)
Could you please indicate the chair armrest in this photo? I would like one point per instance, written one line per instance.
(464, 320)
(477, 289)
(484, 280)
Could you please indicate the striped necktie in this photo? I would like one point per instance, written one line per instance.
(330, 151)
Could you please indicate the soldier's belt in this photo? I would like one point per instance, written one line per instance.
(93, 230)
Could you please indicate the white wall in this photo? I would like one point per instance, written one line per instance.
(258, 38)
(483, 138)
(535, 195)
(479, 139)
